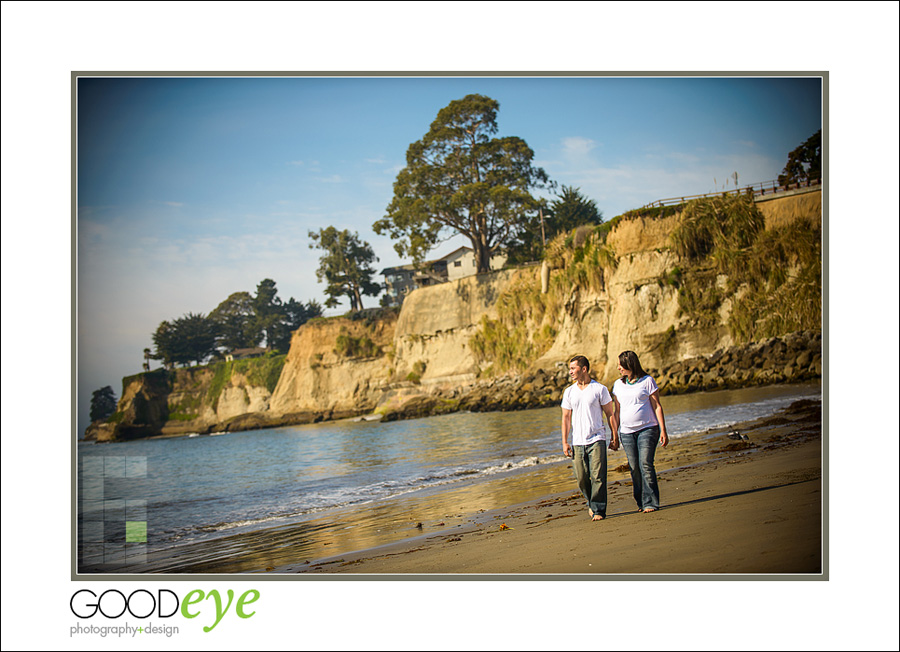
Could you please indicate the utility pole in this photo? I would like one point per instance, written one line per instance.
(543, 237)
(545, 266)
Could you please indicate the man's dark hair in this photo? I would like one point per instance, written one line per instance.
(581, 361)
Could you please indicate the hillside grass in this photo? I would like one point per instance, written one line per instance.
(774, 278)
(528, 321)
(259, 372)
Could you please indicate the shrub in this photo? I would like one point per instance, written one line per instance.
(348, 346)
(221, 376)
(774, 276)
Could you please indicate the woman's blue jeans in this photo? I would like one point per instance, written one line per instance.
(640, 448)
(590, 472)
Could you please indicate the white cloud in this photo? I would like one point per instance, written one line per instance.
(577, 148)
(175, 204)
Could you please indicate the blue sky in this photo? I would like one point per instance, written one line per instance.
(190, 189)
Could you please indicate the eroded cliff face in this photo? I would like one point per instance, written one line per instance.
(336, 366)
(644, 315)
(639, 309)
(427, 344)
(633, 312)
(196, 400)
(437, 323)
(422, 361)
(635, 309)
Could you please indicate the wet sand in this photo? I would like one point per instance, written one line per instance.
(729, 506)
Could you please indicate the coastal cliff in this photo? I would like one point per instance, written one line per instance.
(336, 367)
(714, 295)
(199, 399)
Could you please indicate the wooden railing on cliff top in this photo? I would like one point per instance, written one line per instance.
(758, 190)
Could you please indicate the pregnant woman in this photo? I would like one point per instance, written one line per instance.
(642, 426)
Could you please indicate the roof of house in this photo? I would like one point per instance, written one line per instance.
(256, 350)
(426, 263)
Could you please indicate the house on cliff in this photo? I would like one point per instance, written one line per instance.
(245, 354)
(400, 281)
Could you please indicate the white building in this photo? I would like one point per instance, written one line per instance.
(399, 281)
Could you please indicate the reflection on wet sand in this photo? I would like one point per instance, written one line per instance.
(422, 514)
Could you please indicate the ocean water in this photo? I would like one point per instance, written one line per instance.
(144, 504)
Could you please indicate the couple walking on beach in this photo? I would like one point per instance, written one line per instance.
(636, 419)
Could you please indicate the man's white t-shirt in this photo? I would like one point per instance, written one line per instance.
(635, 411)
(587, 413)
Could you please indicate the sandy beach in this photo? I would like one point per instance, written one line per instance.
(731, 505)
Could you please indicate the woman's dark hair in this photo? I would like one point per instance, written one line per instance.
(630, 362)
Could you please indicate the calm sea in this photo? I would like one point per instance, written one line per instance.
(222, 503)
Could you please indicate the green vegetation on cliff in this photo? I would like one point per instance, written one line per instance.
(259, 372)
(783, 281)
(262, 372)
(528, 321)
(348, 346)
(718, 227)
(187, 390)
(767, 281)
(362, 344)
(772, 277)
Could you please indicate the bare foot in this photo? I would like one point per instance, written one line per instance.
(647, 510)
(596, 517)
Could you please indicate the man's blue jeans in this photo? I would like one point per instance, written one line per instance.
(640, 447)
(590, 472)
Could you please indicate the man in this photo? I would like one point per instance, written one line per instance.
(583, 405)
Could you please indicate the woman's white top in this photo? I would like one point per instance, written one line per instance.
(635, 411)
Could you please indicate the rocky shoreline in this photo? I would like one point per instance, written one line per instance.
(793, 358)
(796, 357)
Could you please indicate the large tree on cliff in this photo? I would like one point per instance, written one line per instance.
(295, 314)
(268, 309)
(191, 338)
(804, 162)
(460, 180)
(346, 266)
(235, 320)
